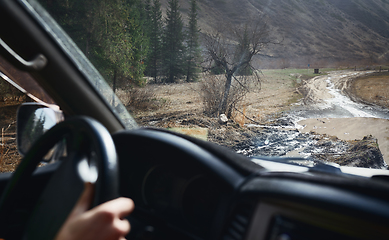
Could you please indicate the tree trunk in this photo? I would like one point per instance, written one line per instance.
(113, 87)
(188, 73)
(87, 45)
(223, 103)
(154, 71)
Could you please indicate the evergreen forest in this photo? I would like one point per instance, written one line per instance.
(129, 39)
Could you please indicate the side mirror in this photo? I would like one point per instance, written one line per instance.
(33, 120)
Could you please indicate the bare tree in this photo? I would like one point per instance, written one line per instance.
(231, 50)
(212, 90)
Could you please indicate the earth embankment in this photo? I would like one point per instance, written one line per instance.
(371, 89)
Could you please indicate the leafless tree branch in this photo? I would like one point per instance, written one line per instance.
(232, 50)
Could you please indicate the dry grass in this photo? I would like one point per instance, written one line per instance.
(373, 88)
(278, 93)
(240, 116)
(173, 98)
(9, 156)
(201, 133)
(139, 99)
(3, 151)
(211, 91)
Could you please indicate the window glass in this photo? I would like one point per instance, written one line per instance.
(244, 75)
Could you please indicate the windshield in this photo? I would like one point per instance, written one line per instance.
(305, 79)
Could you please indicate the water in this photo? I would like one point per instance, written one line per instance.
(339, 106)
(279, 142)
(282, 138)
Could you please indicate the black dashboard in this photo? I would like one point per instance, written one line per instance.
(293, 209)
(184, 189)
(175, 182)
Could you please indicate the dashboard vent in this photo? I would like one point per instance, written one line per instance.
(239, 223)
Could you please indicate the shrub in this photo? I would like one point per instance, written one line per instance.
(212, 90)
(139, 98)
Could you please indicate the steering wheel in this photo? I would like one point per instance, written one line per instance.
(90, 156)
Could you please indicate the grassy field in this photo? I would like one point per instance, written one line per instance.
(278, 93)
(293, 73)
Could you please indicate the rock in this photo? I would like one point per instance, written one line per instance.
(356, 153)
(223, 119)
(363, 153)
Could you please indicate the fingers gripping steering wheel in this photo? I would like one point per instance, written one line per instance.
(90, 155)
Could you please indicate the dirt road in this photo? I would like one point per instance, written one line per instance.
(329, 110)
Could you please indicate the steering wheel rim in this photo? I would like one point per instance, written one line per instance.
(87, 139)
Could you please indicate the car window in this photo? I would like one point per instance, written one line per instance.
(297, 79)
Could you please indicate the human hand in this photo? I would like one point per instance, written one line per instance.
(105, 222)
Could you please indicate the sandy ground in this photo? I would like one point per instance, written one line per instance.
(351, 129)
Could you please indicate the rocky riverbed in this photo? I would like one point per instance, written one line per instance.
(278, 138)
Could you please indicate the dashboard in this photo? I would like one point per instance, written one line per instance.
(293, 209)
(185, 191)
(275, 219)
(173, 183)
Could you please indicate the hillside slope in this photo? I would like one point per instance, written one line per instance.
(316, 32)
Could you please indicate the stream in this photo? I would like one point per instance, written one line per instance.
(325, 99)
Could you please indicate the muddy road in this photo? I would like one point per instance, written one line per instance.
(330, 108)
(324, 125)
(329, 96)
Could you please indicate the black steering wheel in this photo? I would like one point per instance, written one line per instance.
(90, 156)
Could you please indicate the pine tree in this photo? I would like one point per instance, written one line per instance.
(147, 9)
(193, 47)
(145, 12)
(173, 47)
(109, 33)
(139, 39)
(122, 45)
(155, 47)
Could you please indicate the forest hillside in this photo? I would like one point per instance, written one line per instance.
(316, 32)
